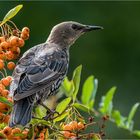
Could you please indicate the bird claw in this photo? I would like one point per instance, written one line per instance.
(50, 115)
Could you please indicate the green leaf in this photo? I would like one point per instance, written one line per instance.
(5, 101)
(133, 110)
(118, 118)
(136, 133)
(40, 111)
(61, 117)
(11, 14)
(89, 91)
(94, 90)
(63, 105)
(67, 87)
(76, 80)
(106, 103)
(83, 108)
(35, 121)
(96, 137)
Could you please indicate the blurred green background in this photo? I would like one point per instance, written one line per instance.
(112, 55)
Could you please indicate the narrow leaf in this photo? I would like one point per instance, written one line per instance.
(5, 101)
(11, 14)
(61, 117)
(130, 122)
(87, 90)
(94, 91)
(117, 117)
(83, 108)
(76, 80)
(63, 105)
(119, 120)
(106, 103)
(133, 111)
(67, 87)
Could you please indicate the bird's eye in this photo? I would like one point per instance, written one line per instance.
(76, 27)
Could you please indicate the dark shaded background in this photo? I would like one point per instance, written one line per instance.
(112, 55)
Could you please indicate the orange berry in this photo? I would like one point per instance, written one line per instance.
(74, 125)
(6, 119)
(5, 81)
(67, 127)
(1, 89)
(16, 131)
(16, 51)
(66, 134)
(24, 36)
(4, 45)
(25, 133)
(14, 41)
(1, 116)
(5, 93)
(41, 135)
(2, 39)
(2, 55)
(2, 86)
(81, 126)
(13, 48)
(11, 65)
(10, 99)
(10, 78)
(10, 137)
(1, 64)
(17, 138)
(2, 136)
(7, 130)
(21, 42)
(3, 107)
(0, 48)
(25, 30)
(9, 55)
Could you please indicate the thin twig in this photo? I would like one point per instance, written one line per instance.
(2, 74)
(2, 30)
(5, 72)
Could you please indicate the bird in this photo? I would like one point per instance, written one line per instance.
(40, 71)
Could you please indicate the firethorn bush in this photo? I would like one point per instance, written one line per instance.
(74, 118)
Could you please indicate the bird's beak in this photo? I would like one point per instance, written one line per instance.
(88, 28)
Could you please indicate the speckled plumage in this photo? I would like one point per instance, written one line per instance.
(41, 70)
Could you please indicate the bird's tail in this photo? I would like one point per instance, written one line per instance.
(21, 113)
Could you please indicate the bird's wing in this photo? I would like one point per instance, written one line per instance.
(42, 70)
(24, 61)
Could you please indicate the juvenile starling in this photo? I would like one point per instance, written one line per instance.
(41, 70)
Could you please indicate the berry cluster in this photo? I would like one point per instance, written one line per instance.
(71, 128)
(4, 108)
(40, 133)
(77, 130)
(13, 133)
(11, 41)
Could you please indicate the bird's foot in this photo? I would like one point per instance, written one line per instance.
(50, 114)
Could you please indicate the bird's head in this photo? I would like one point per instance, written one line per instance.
(66, 33)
